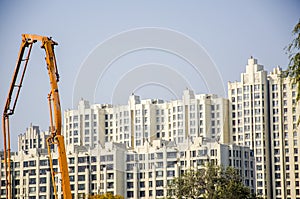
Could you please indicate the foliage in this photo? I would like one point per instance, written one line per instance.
(105, 196)
(230, 185)
(211, 182)
(293, 51)
(189, 185)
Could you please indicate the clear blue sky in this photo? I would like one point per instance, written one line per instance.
(229, 31)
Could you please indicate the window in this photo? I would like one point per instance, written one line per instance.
(295, 142)
(159, 183)
(31, 163)
(284, 86)
(213, 152)
(256, 95)
(81, 187)
(42, 189)
(159, 173)
(275, 95)
(157, 112)
(239, 90)
(275, 103)
(81, 168)
(192, 107)
(142, 193)
(275, 119)
(43, 180)
(81, 178)
(259, 184)
(32, 181)
(129, 176)
(159, 155)
(170, 164)
(130, 167)
(287, 159)
(44, 162)
(192, 115)
(129, 194)
(179, 108)
(142, 184)
(256, 87)
(32, 189)
(278, 184)
(171, 155)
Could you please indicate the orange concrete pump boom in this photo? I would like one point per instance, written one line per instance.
(56, 137)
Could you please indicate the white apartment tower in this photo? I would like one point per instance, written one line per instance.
(82, 126)
(249, 120)
(136, 149)
(32, 138)
(143, 172)
(285, 143)
(140, 121)
(151, 168)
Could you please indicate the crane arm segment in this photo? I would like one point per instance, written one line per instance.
(56, 137)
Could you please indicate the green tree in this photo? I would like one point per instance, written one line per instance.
(230, 185)
(293, 51)
(105, 196)
(211, 182)
(212, 179)
(189, 185)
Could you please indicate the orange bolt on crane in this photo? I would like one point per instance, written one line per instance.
(54, 105)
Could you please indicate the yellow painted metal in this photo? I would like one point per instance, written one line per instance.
(55, 137)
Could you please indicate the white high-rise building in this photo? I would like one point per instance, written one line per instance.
(32, 138)
(84, 126)
(249, 120)
(151, 168)
(146, 120)
(285, 139)
(143, 172)
(136, 149)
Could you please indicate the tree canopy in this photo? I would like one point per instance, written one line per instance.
(105, 196)
(293, 51)
(210, 182)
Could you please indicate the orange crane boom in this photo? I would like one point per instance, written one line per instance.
(55, 137)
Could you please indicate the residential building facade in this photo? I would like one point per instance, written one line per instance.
(249, 108)
(32, 138)
(84, 126)
(135, 150)
(285, 140)
(145, 120)
(143, 172)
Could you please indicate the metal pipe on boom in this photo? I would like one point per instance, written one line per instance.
(54, 102)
